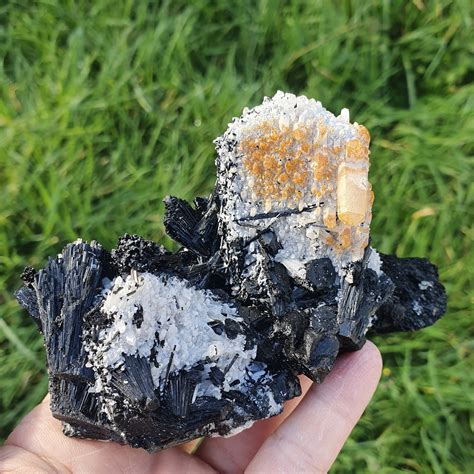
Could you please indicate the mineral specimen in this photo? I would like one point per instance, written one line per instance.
(275, 278)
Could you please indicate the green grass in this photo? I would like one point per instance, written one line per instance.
(106, 106)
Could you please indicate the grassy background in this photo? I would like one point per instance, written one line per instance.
(106, 106)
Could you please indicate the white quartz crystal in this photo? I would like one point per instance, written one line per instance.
(174, 323)
(291, 166)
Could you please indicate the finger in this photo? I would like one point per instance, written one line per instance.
(310, 439)
(39, 434)
(234, 453)
(14, 459)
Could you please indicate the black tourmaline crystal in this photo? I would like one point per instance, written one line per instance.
(275, 278)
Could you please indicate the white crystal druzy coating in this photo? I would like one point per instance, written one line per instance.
(291, 166)
(175, 329)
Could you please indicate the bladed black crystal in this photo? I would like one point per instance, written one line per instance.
(154, 348)
(295, 330)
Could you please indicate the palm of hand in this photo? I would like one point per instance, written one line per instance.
(306, 437)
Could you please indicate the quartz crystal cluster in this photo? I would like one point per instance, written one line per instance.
(274, 278)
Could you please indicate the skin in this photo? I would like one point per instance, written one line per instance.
(306, 437)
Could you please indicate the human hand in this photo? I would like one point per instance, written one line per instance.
(306, 437)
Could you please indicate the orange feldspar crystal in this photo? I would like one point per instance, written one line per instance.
(352, 194)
